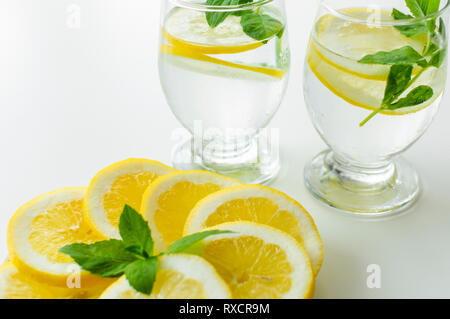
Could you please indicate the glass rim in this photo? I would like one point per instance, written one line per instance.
(229, 8)
(403, 22)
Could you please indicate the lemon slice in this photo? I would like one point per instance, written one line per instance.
(338, 45)
(342, 43)
(114, 187)
(259, 262)
(189, 29)
(168, 201)
(44, 225)
(188, 35)
(260, 204)
(179, 277)
(17, 285)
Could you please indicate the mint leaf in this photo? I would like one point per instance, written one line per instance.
(398, 81)
(417, 7)
(105, 258)
(417, 96)
(261, 27)
(404, 55)
(409, 30)
(215, 18)
(135, 232)
(141, 274)
(186, 242)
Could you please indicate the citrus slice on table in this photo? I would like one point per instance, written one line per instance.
(17, 285)
(259, 262)
(120, 184)
(44, 225)
(338, 44)
(169, 200)
(259, 204)
(179, 276)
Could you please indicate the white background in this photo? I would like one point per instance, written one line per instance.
(75, 100)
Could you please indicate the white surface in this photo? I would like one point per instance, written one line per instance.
(76, 100)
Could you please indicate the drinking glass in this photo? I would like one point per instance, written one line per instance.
(374, 77)
(224, 71)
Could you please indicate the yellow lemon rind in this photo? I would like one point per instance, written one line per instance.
(18, 228)
(95, 214)
(164, 184)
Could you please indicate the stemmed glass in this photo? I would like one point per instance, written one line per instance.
(224, 68)
(374, 80)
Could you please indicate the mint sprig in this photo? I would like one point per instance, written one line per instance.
(405, 59)
(133, 255)
(256, 25)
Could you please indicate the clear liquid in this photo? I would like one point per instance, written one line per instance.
(222, 97)
(336, 93)
(383, 137)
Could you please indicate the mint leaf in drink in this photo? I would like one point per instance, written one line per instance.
(105, 258)
(398, 81)
(417, 96)
(261, 27)
(417, 7)
(185, 243)
(409, 30)
(404, 55)
(135, 232)
(215, 18)
(141, 274)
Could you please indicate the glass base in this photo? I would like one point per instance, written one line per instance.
(251, 164)
(369, 193)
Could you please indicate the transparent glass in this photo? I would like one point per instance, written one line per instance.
(224, 78)
(373, 82)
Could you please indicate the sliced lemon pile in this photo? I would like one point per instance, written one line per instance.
(179, 277)
(188, 35)
(118, 185)
(263, 205)
(168, 201)
(259, 262)
(41, 227)
(338, 44)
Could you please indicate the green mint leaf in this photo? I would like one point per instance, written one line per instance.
(215, 18)
(186, 242)
(261, 27)
(105, 258)
(417, 7)
(398, 81)
(404, 55)
(438, 58)
(135, 232)
(417, 96)
(141, 274)
(409, 30)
